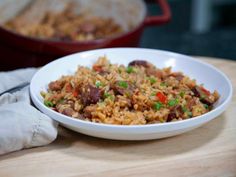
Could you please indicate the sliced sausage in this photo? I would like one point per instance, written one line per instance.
(207, 101)
(139, 63)
(203, 97)
(196, 91)
(68, 111)
(90, 94)
(171, 116)
(55, 85)
(178, 76)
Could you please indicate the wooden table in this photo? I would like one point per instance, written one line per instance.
(207, 151)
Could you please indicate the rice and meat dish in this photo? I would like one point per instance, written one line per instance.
(134, 95)
(67, 26)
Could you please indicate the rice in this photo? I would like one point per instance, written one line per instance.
(138, 94)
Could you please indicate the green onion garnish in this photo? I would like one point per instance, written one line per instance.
(202, 96)
(184, 109)
(173, 102)
(98, 84)
(123, 84)
(163, 84)
(190, 114)
(153, 94)
(152, 80)
(130, 69)
(48, 103)
(206, 106)
(106, 95)
(157, 106)
(182, 94)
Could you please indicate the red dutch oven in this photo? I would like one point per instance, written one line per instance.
(17, 51)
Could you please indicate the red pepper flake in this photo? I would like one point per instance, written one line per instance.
(162, 98)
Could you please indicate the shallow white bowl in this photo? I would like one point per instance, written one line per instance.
(202, 72)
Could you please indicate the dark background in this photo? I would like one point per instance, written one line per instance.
(178, 36)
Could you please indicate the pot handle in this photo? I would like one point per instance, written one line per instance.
(160, 19)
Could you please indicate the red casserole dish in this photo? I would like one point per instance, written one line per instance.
(19, 51)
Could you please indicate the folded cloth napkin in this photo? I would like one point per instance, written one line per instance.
(22, 125)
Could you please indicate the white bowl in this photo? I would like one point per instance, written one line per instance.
(202, 72)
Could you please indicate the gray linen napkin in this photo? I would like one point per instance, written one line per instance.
(22, 125)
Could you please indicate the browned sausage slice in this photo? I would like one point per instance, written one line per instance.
(90, 94)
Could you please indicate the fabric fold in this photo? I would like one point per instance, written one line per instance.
(21, 124)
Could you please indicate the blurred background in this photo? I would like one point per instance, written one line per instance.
(198, 27)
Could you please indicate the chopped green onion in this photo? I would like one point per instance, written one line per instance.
(61, 100)
(101, 104)
(153, 94)
(43, 94)
(130, 69)
(157, 106)
(182, 94)
(123, 84)
(202, 96)
(48, 103)
(190, 114)
(206, 106)
(152, 80)
(184, 109)
(108, 95)
(98, 84)
(173, 102)
(112, 97)
(163, 84)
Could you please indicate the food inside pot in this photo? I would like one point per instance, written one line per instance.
(67, 26)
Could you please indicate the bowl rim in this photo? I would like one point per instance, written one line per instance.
(218, 110)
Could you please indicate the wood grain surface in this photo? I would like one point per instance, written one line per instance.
(208, 151)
